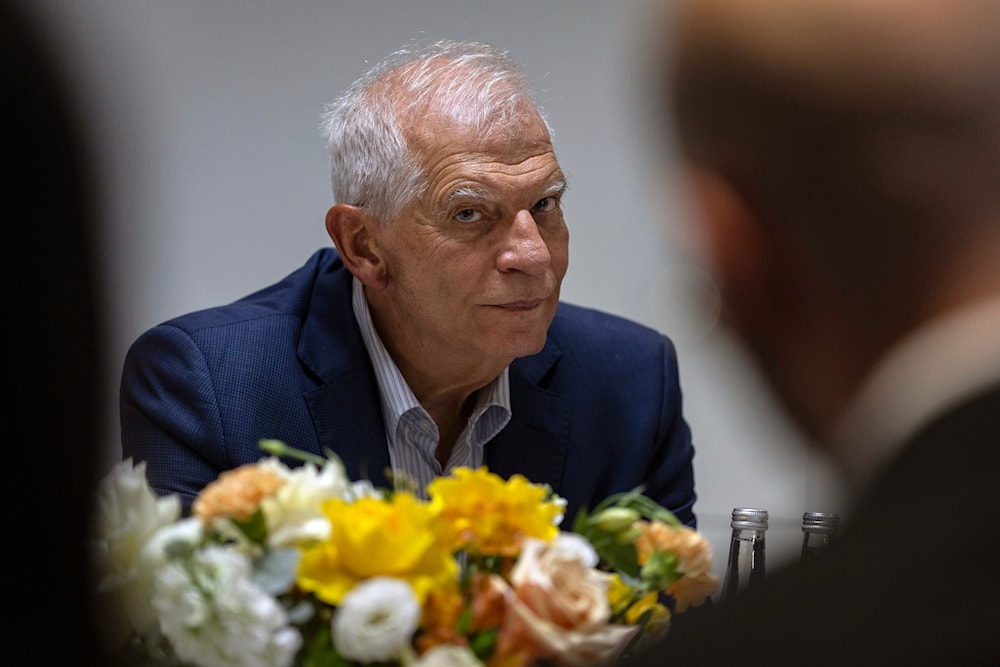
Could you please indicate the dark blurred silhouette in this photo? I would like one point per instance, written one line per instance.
(56, 342)
(844, 156)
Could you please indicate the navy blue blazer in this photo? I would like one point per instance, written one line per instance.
(597, 411)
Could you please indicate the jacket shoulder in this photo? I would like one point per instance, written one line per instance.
(574, 324)
(289, 297)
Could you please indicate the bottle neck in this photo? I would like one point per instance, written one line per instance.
(814, 542)
(746, 565)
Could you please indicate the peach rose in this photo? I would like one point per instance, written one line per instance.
(560, 602)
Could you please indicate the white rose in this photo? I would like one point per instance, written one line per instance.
(293, 513)
(563, 601)
(376, 620)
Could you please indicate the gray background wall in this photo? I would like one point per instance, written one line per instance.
(214, 183)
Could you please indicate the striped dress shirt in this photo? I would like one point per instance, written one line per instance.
(410, 432)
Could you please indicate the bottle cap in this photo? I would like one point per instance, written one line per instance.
(820, 522)
(747, 517)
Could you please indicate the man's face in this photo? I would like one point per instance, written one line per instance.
(474, 266)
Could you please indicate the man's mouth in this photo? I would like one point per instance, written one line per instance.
(524, 304)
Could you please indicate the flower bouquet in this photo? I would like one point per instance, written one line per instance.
(280, 566)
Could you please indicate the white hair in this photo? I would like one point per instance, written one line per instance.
(372, 164)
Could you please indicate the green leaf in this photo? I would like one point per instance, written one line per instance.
(622, 557)
(301, 613)
(660, 570)
(275, 570)
(279, 448)
(255, 528)
(482, 645)
(319, 652)
(464, 621)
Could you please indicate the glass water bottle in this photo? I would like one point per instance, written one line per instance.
(819, 530)
(745, 568)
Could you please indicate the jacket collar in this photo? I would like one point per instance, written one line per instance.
(345, 402)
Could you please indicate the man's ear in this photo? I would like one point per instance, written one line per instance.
(351, 230)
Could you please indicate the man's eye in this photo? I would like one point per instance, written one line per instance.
(545, 205)
(468, 215)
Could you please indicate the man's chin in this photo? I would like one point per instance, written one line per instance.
(529, 346)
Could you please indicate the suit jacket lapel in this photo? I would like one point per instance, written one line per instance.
(350, 423)
(535, 441)
(345, 407)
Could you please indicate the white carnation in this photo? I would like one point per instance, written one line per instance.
(376, 620)
(215, 615)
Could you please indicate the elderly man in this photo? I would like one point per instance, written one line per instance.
(433, 336)
(845, 159)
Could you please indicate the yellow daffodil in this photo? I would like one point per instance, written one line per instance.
(482, 513)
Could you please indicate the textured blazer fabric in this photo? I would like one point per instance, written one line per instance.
(597, 411)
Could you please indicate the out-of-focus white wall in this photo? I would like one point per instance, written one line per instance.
(215, 183)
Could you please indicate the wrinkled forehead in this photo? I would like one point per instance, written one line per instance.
(522, 135)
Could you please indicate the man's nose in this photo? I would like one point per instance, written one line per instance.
(524, 248)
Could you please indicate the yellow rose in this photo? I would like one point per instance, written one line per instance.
(377, 537)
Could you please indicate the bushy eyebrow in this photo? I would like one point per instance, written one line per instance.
(471, 192)
(557, 188)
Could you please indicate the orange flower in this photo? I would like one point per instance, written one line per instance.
(691, 548)
(692, 591)
(489, 605)
(440, 620)
(694, 555)
(236, 493)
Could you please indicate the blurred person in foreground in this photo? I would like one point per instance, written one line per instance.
(432, 337)
(844, 156)
(51, 198)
